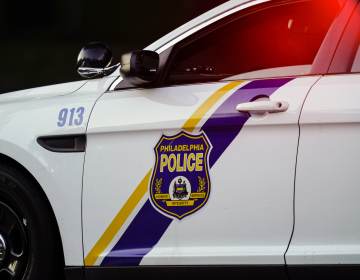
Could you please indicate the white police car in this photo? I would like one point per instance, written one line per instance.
(232, 144)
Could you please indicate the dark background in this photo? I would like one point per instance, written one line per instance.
(40, 39)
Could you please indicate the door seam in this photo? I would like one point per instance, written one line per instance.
(295, 173)
(83, 174)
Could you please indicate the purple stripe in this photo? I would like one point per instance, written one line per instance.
(226, 123)
(139, 238)
(221, 128)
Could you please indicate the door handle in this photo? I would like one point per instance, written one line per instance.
(263, 106)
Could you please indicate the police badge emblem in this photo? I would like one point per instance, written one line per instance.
(180, 182)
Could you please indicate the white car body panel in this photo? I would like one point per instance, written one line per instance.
(327, 226)
(232, 239)
(25, 116)
(297, 70)
(120, 152)
(254, 225)
(52, 170)
(41, 92)
(132, 111)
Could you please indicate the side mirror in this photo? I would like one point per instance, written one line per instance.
(94, 61)
(140, 67)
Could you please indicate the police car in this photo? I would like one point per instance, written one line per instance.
(230, 145)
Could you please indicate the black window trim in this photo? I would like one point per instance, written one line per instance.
(215, 26)
(323, 59)
(322, 62)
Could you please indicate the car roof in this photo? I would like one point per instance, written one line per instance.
(223, 8)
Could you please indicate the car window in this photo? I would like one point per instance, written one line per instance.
(267, 40)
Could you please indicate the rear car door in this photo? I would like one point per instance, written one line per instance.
(326, 240)
(176, 175)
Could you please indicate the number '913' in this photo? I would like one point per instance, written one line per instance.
(71, 116)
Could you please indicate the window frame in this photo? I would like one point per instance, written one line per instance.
(348, 46)
(320, 66)
(316, 69)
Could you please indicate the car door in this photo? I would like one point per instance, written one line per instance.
(326, 240)
(199, 169)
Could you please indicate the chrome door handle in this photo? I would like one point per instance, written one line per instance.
(263, 106)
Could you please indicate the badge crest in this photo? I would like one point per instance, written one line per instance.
(180, 182)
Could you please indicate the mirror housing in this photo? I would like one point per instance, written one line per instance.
(140, 67)
(94, 61)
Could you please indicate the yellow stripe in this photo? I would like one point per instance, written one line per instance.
(201, 111)
(141, 189)
(118, 221)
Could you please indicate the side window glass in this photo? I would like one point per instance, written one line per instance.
(267, 40)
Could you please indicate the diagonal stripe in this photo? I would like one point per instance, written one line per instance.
(227, 122)
(141, 189)
(204, 108)
(118, 221)
(142, 234)
(145, 232)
